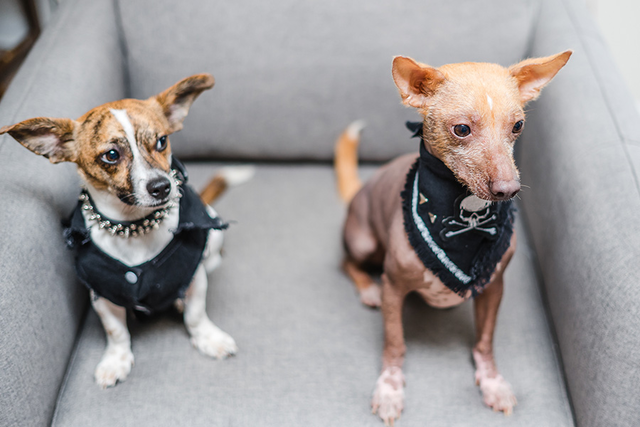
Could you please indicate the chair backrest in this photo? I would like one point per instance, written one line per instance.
(290, 74)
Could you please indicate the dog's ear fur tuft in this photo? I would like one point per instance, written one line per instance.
(51, 138)
(534, 73)
(416, 82)
(177, 100)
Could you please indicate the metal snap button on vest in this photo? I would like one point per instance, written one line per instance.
(131, 277)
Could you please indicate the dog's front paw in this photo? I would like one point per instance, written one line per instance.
(497, 393)
(115, 366)
(388, 397)
(213, 342)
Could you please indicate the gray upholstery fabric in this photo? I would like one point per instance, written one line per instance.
(309, 351)
(579, 154)
(76, 65)
(292, 75)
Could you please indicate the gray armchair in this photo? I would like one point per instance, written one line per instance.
(290, 76)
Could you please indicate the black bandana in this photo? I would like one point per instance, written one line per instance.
(458, 236)
(154, 285)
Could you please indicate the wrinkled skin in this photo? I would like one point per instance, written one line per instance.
(488, 101)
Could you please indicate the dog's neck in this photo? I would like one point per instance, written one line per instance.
(418, 129)
(115, 209)
(424, 140)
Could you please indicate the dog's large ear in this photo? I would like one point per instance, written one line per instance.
(534, 73)
(51, 138)
(416, 82)
(177, 100)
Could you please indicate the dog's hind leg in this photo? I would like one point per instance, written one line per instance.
(368, 289)
(117, 360)
(362, 248)
(212, 256)
(205, 336)
(496, 391)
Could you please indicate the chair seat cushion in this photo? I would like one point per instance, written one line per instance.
(309, 351)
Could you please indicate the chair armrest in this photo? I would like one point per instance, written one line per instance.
(582, 209)
(76, 64)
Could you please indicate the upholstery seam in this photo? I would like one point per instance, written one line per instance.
(124, 47)
(551, 332)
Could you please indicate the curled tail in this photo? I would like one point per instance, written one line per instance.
(346, 161)
(227, 177)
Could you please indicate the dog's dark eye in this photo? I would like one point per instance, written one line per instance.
(461, 130)
(517, 128)
(162, 143)
(111, 157)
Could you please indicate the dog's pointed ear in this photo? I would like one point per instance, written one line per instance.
(177, 100)
(416, 82)
(51, 138)
(534, 73)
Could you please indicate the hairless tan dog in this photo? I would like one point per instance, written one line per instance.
(472, 115)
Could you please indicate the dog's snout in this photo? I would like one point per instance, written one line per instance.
(505, 190)
(159, 188)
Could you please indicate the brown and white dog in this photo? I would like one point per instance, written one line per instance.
(123, 155)
(472, 115)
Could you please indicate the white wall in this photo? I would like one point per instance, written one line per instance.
(619, 21)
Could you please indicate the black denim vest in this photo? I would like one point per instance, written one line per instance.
(154, 285)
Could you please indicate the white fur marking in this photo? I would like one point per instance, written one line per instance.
(138, 166)
(122, 118)
(490, 101)
(355, 128)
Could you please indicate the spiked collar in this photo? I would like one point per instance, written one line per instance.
(140, 227)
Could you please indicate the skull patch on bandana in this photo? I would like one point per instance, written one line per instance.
(472, 214)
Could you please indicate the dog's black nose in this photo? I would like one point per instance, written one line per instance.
(159, 188)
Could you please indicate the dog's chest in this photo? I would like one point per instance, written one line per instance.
(136, 250)
(436, 294)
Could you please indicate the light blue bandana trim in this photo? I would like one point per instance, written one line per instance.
(424, 232)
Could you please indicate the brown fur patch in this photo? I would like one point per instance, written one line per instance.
(100, 131)
(85, 141)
